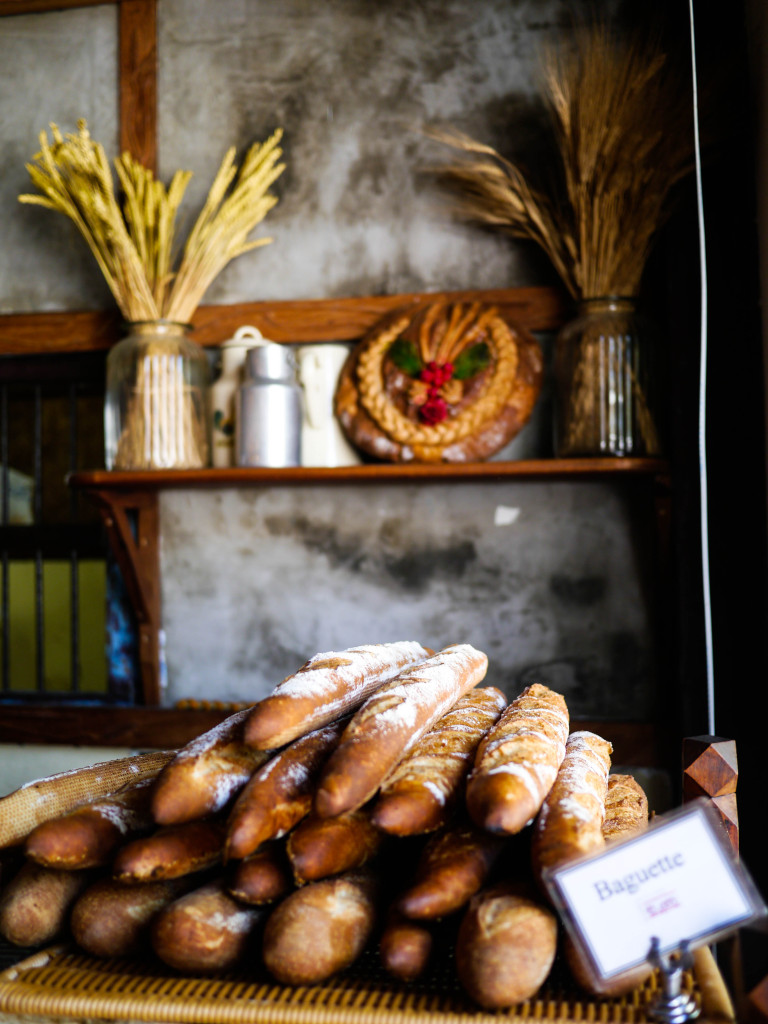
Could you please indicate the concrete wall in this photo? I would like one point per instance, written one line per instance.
(561, 591)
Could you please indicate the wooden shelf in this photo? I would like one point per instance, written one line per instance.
(530, 469)
(634, 743)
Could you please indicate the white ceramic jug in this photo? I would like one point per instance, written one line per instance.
(322, 441)
(224, 390)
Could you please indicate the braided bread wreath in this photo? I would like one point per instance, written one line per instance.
(444, 382)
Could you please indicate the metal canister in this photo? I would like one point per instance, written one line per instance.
(269, 408)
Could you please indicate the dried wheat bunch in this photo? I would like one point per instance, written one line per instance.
(620, 123)
(135, 244)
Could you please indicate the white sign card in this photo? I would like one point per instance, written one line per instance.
(677, 880)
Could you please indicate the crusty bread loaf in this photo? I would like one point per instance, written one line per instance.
(405, 947)
(110, 919)
(263, 877)
(35, 905)
(88, 836)
(321, 928)
(453, 866)
(206, 773)
(391, 722)
(326, 687)
(280, 793)
(626, 807)
(51, 797)
(420, 793)
(205, 930)
(571, 819)
(319, 847)
(172, 851)
(517, 761)
(505, 947)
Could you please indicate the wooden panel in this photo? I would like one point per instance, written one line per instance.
(142, 727)
(346, 319)
(36, 6)
(138, 80)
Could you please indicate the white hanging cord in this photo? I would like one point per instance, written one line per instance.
(703, 399)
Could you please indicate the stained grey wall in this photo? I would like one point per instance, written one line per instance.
(254, 582)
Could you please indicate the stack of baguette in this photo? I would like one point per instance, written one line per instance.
(377, 797)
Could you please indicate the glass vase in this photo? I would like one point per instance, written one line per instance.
(156, 413)
(601, 380)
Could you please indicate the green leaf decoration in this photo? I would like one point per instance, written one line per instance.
(405, 356)
(472, 361)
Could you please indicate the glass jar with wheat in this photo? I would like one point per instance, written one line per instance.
(157, 410)
(621, 141)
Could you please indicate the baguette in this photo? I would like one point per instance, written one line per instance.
(206, 773)
(626, 812)
(320, 929)
(279, 794)
(205, 931)
(34, 906)
(110, 919)
(263, 877)
(172, 851)
(505, 947)
(51, 797)
(88, 836)
(319, 847)
(517, 761)
(326, 687)
(454, 865)
(391, 722)
(570, 822)
(626, 807)
(405, 948)
(422, 790)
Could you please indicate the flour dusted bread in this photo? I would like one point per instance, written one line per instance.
(320, 929)
(327, 686)
(570, 822)
(405, 947)
(35, 905)
(279, 794)
(172, 851)
(421, 792)
(319, 847)
(626, 807)
(88, 836)
(517, 761)
(263, 877)
(505, 947)
(391, 722)
(206, 773)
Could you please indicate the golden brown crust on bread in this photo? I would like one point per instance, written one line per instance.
(626, 807)
(263, 877)
(329, 685)
(571, 819)
(320, 929)
(279, 794)
(391, 722)
(206, 773)
(110, 919)
(405, 948)
(517, 761)
(505, 947)
(452, 868)
(319, 847)
(422, 790)
(204, 931)
(88, 836)
(172, 851)
(34, 906)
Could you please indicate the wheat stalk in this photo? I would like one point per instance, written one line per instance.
(621, 142)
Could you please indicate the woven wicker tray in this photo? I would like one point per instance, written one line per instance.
(63, 985)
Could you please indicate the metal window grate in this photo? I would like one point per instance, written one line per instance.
(53, 553)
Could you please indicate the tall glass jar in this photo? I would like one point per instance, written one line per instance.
(601, 379)
(156, 413)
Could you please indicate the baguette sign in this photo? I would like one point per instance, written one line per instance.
(677, 881)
